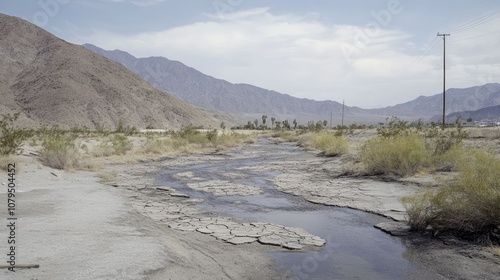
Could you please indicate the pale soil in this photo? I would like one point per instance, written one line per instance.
(77, 228)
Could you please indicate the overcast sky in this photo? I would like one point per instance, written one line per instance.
(371, 53)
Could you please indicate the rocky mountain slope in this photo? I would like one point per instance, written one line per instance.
(486, 114)
(52, 82)
(457, 100)
(205, 91)
(246, 100)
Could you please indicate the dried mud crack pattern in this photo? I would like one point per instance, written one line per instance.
(225, 188)
(180, 214)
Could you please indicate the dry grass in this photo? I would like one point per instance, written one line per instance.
(59, 151)
(495, 250)
(116, 144)
(107, 177)
(5, 160)
(401, 155)
(469, 205)
(286, 136)
(192, 143)
(330, 144)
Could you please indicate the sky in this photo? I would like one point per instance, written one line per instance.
(371, 54)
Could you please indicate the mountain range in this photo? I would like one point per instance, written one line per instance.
(250, 101)
(457, 100)
(52, 82)
(245, 100)
(485, 114)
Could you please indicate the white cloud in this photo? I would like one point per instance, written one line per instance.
(307, 58)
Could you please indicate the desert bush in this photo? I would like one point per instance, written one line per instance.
(401, 154)
(192, 136)
(328, 143)
(167, 145)
(155, 146)
(127, 130)
(450, 159)
(107, 177)
(5, 160)
(395, 127)
(59, 151)
(418, 208)
(212, 135)
(442, 141)
(121, 144)
(232, 140)
(11, 137)
(468, 206)
(117, 144)
(287, 136)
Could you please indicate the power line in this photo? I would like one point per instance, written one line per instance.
(483, 35)
(430, 46)
(476, 22)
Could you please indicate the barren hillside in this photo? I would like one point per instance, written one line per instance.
(52, 82)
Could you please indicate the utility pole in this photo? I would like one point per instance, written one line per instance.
(444, 77)
(343, 105)
(331, 119)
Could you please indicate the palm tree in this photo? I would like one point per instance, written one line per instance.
(273, 119)
(286, 124)
(264, 117)
(294, 124)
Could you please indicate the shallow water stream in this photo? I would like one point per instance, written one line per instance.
(354, 248)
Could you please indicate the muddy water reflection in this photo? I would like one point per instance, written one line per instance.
(354, 249)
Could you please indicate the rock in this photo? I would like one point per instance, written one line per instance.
(271, 240)
(224, 188)
(222, 236)
(179, 194)
(219, 229)
(394, 228)
(241, 240)
(204, 230)
(313, 240)
(171, 217)
(164, 189)
(292, 246)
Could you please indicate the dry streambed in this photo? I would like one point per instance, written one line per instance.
(176, 210)
(233, 197)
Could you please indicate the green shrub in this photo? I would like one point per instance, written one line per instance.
(117, 144)
(162, 146)
(11, 137)
(450, 159)
(232, 140)
(402, 155)
(212, 135)
(59, 151)
(127, 130)
(328, 143)
(287, 136)
(418, 209)
(395, 127)
(468, 206)
(121, 144)
(442, 141)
